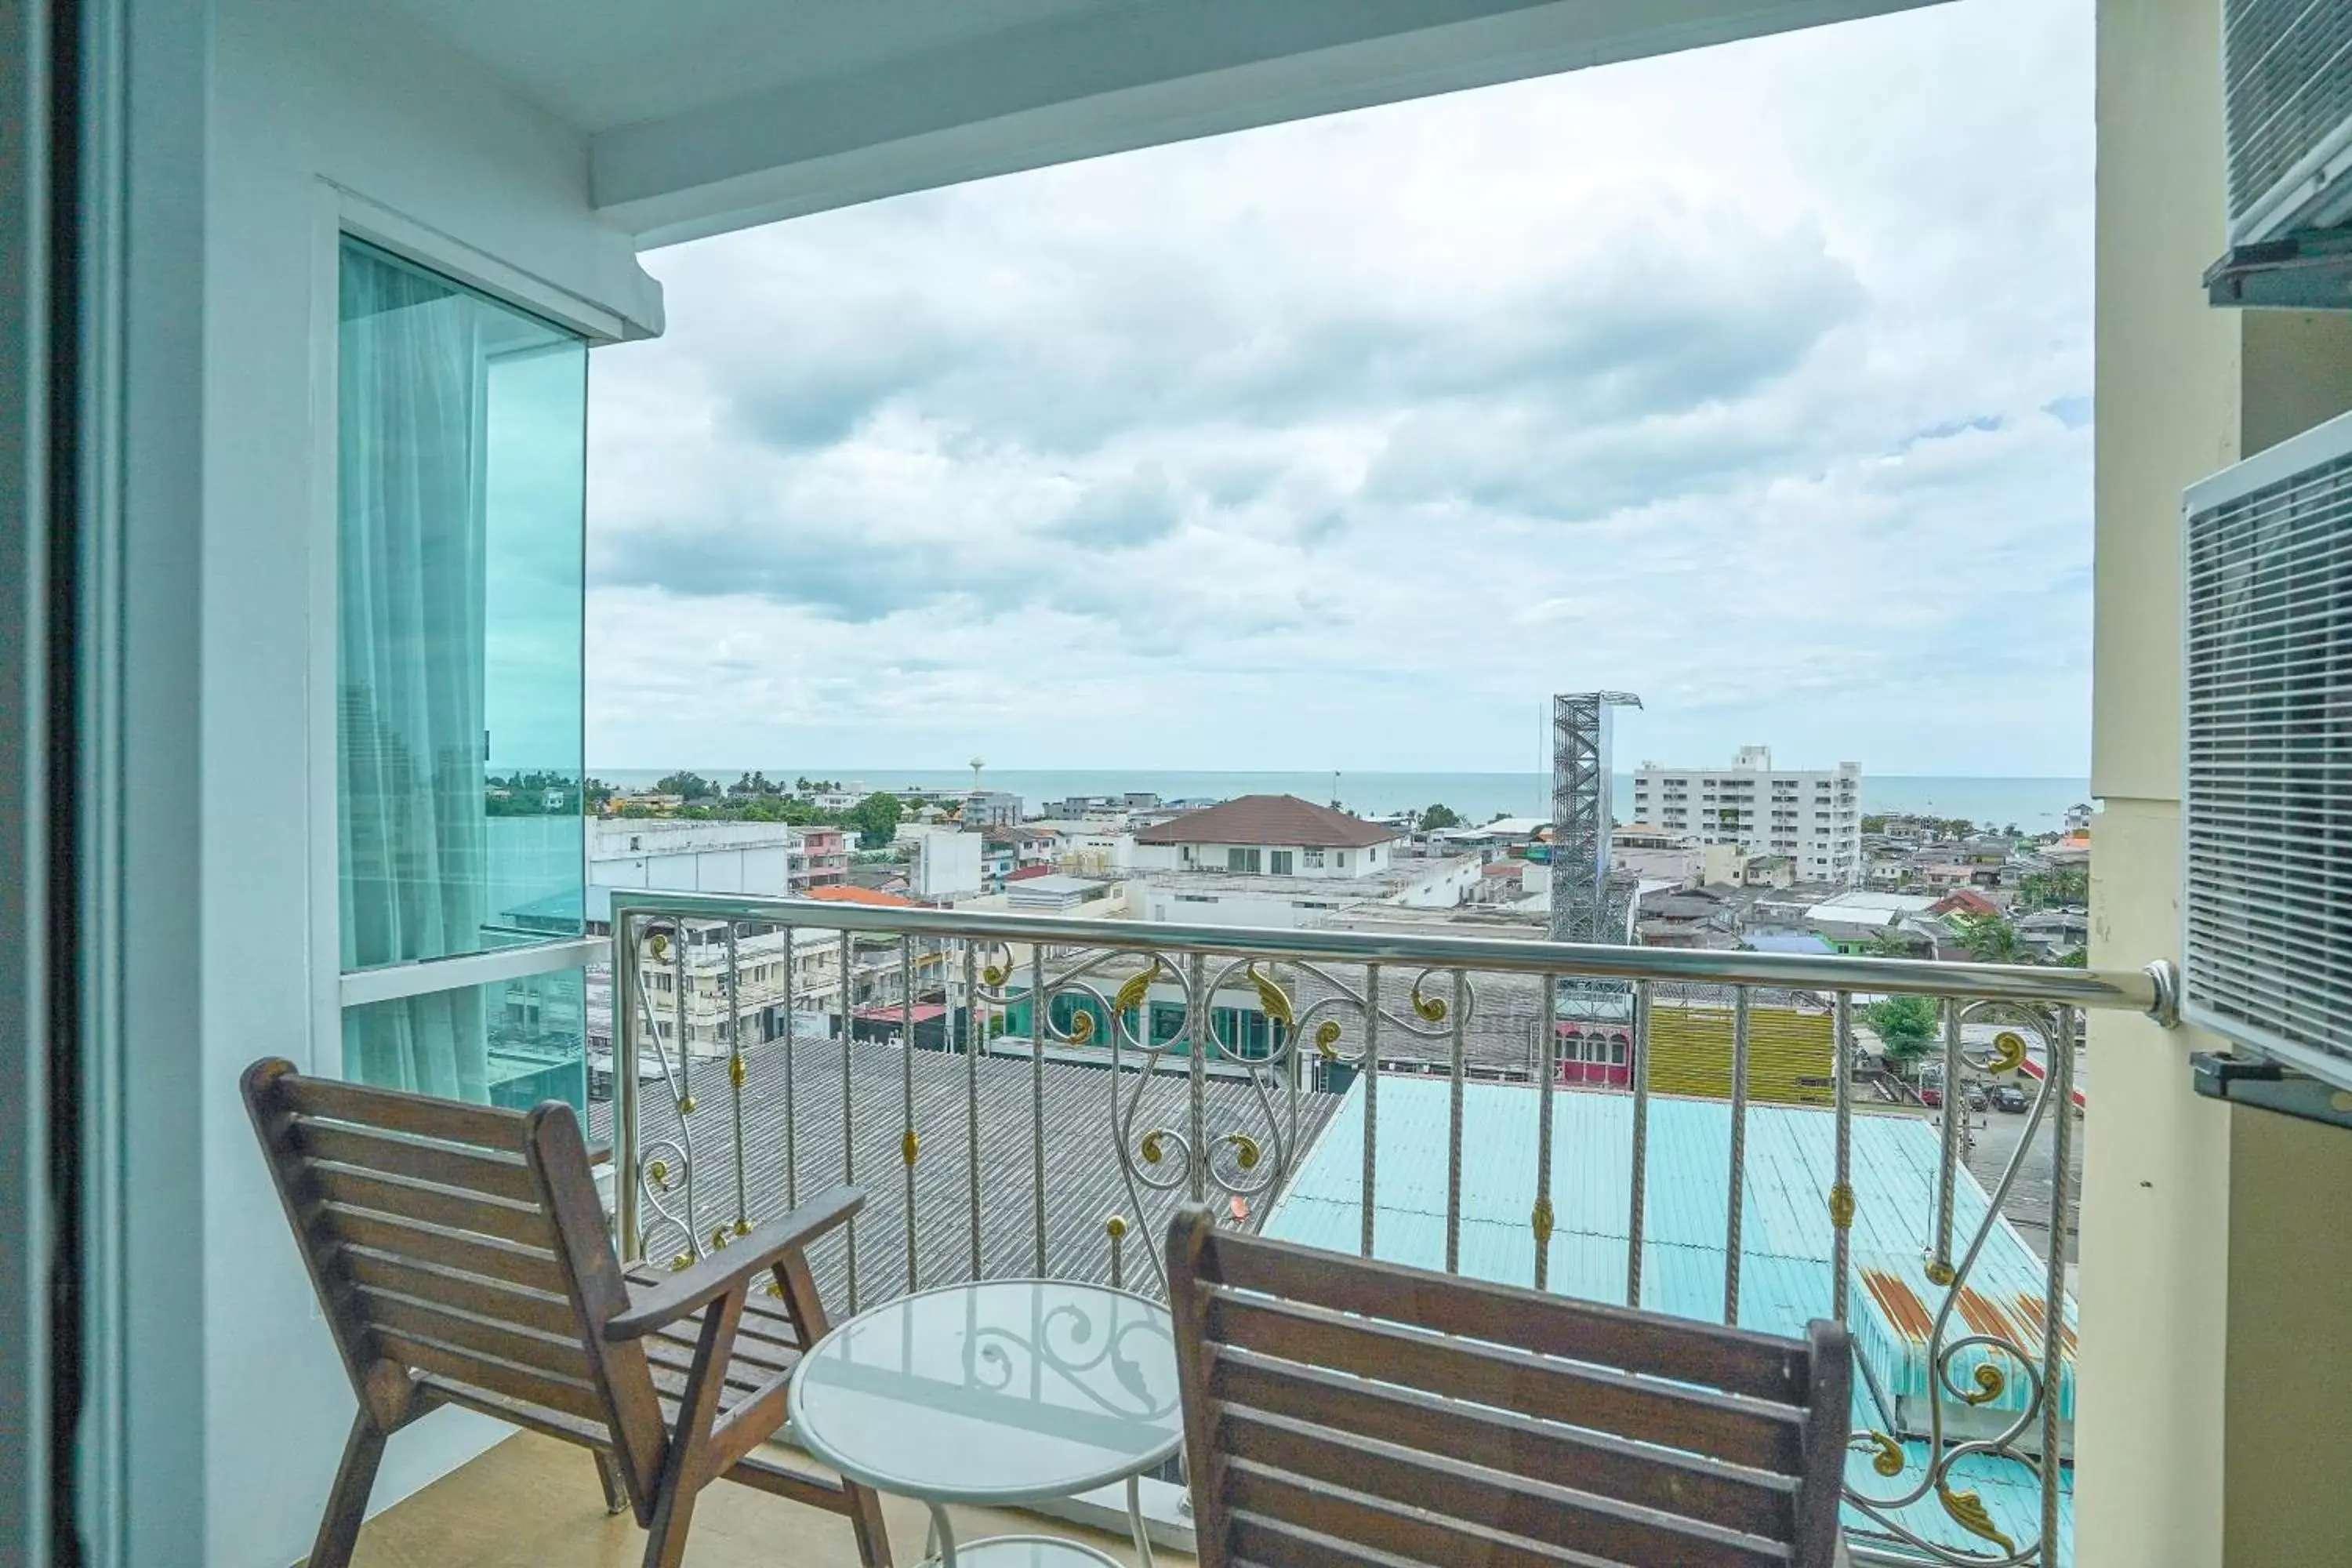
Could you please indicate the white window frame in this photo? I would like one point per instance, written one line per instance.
(337, 213)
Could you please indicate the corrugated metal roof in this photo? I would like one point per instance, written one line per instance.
(1786, 1242)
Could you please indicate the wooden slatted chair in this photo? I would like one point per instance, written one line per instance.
(460, 1256)
(1341, 1411)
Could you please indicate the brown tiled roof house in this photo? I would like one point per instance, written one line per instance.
(1280, 819)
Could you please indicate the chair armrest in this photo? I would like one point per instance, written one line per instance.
(745, 1258)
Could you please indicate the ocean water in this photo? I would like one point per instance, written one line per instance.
(2035, 805)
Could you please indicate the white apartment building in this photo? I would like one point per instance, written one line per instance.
(943, 860)
(768, 858)
(1812, 817)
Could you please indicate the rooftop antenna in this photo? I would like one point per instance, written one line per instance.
(1335, 791)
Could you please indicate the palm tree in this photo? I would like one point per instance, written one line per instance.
(1994, 940)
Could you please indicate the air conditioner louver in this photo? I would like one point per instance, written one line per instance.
(2286, 68)
(2267, 896)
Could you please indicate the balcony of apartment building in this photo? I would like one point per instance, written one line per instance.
(316, 236)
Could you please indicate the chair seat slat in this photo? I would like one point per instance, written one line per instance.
(465, 1170)
(452, 1121)
(482, 1298)
(545, 1353)
(1354, 1517)
(1751, 1502)
(1735, 1360)
(529, 1385)
(1439, 1485)
(503, 1220)
(1724, 1427)
(522, 1265)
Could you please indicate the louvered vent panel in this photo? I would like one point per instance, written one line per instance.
(2287, 89)
(2268, 935)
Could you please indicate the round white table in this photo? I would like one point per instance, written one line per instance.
(1007, 1391)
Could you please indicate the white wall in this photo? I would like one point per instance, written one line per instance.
(946, 862)
(1337, 863)
(1449, 883)
(1175, 903)
(318, 109)
(692, 856)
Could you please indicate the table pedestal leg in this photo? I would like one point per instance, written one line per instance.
(940, 1547)
(1135, 1522)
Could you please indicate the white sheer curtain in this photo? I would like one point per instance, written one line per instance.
(415, 842)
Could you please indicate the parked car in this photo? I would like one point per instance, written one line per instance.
(2009, 1097)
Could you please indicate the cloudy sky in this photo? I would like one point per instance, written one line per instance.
(1754, 380)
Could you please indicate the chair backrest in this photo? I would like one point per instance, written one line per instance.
(459, 1251)
(1345, 1411)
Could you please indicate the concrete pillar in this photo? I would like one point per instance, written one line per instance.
(2216, 1284)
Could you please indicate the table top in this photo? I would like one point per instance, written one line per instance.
(1008, 1391)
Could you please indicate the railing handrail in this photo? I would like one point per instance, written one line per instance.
(2149, 989)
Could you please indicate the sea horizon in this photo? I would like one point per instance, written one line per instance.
(2035, 803)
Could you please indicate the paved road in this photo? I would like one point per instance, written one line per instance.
(1994, 1139)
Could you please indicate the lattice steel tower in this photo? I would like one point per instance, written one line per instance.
(1580, 816)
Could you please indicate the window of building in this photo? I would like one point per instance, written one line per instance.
(1311, 858)
(461, 431)
(1278, 861)
(1241, 859)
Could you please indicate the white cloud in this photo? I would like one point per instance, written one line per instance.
(1753, 379)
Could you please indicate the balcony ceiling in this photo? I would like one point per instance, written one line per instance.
(709, 115)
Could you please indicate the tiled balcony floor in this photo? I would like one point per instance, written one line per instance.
(531, 1502)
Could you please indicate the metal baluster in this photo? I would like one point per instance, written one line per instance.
(1039, 1020)
(1116, 1228)
(626, 1001)
(735, 1074)
(791, 1106)
(911, 1144)
(1735, 1206)
(1295, 1046)
(2053, 1276)
(1641, 1152)
(1841, 1184)
(685, 1106)
(1372, 1098)
(1197, 1074)
(1546, 1041)
(975, 1038)
(849, 1122)
(1940, 1269)
(1453, 1141)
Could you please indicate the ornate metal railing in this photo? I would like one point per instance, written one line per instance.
(1098, 1072)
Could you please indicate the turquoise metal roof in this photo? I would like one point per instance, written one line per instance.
(1785, 1241)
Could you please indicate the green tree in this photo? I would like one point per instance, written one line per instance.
(1993, 939)
(876, 818)
(686, 786)
(2054, 888)
(1874, 824)
(1437, 816)
(2078, 959)
(1905, 1025)
(1959, 826)
(597, 793)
